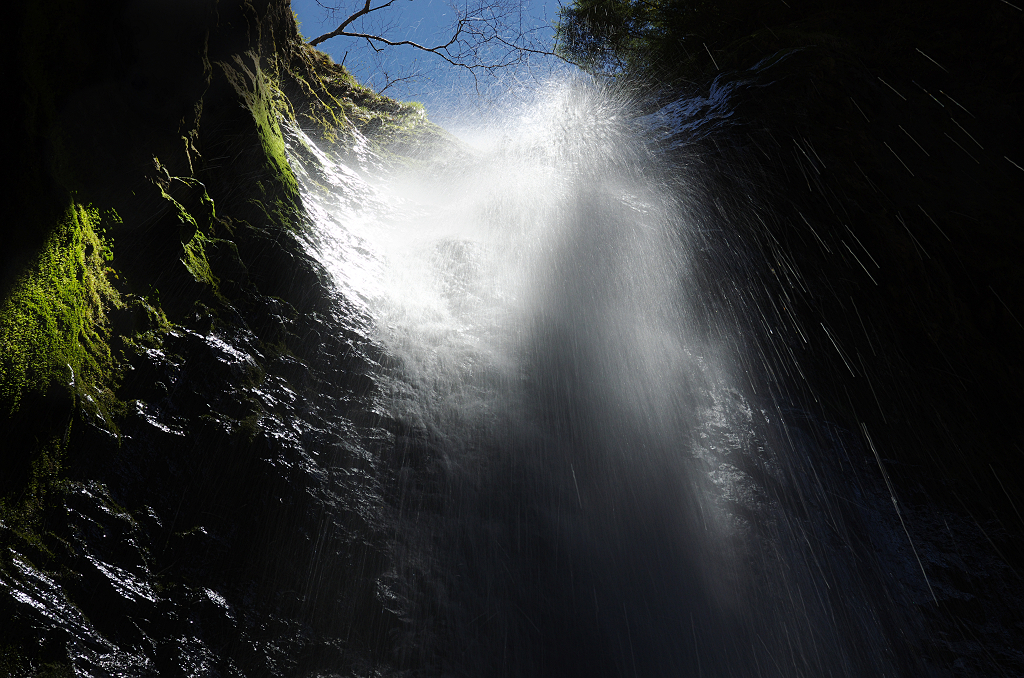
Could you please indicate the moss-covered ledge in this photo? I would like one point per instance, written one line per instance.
(55, 359)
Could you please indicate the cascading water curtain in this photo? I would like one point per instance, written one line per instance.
(583, 484)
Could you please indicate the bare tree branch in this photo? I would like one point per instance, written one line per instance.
(340, 30)
(486, 36)
(440, 50)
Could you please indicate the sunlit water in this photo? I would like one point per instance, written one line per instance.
(586, 490)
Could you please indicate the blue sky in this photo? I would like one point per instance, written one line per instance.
(447, 92)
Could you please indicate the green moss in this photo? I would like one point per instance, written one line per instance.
(53, 325)
(249, 427)
(195, 260)
(23, 512)
(273, 145)
(151, 325)
(201, 213)
(197, 227)
(55, 354)
(265, 105)
(414, 107)
(331, 104)
(258, 92)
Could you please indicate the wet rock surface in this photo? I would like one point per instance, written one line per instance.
(235, 527)
(893, 206)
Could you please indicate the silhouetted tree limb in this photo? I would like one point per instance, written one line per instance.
(485, 35)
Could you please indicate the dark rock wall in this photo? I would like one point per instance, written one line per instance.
(218, 512)
(882, 148)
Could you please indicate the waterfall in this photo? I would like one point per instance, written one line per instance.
(586, 479)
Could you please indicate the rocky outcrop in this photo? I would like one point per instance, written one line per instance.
(185, 487)
(882, 152)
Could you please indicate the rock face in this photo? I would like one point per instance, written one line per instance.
(177, 375)
(195, 469)
(881, 147)
(889, 145)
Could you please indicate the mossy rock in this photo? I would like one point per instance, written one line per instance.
(53, 324)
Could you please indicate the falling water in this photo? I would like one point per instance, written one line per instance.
(585, 482)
